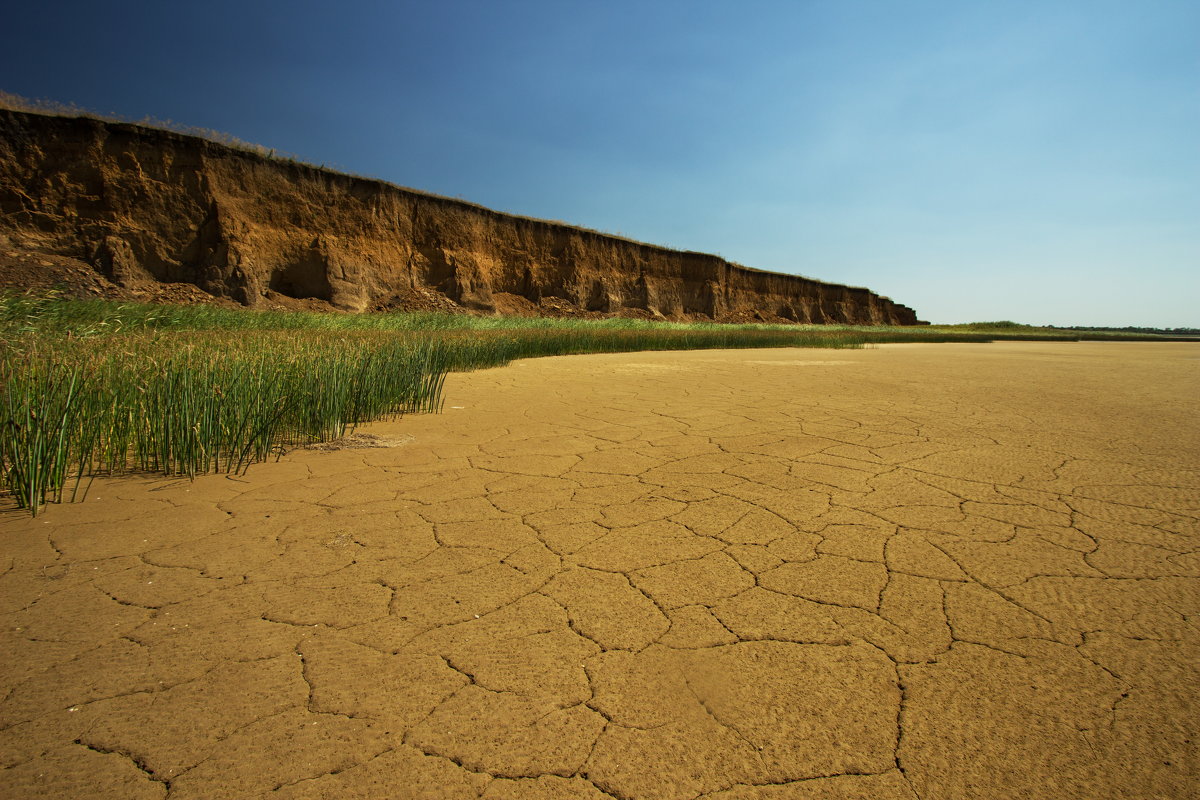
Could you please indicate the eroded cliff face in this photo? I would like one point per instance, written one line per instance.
(145, 205)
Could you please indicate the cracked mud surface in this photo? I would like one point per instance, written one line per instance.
(931, 571)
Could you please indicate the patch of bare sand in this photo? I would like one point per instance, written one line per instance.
(944, 571)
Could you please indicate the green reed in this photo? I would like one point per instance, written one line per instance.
(185, 404)
(102, 388)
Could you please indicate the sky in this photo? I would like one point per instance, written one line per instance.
(1033, 161)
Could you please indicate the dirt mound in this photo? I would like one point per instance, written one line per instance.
(144, 207)
(47, 273)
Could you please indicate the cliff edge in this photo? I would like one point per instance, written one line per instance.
(145, 206)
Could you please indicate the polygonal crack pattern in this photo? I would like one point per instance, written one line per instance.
(941, 571)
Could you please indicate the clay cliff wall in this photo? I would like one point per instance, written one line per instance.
(144, 205)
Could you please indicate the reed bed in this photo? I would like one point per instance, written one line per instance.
(175, 404)
(93, 387)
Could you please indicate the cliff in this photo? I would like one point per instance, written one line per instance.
(146, 206)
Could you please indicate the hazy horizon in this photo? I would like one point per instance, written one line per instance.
(1027, 161)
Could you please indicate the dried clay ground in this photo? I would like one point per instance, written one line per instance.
(918, 571)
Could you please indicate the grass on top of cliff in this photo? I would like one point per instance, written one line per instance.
(90, 387)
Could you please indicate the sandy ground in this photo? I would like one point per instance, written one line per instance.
(930, 571)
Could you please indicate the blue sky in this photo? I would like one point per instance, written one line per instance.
(1035, 161)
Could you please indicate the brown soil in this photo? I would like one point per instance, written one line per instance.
(42, 273)
(145, 206)
(935, 571)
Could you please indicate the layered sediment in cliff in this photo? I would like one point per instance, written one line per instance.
(144, 205)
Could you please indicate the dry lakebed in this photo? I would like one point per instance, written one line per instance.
(930, 571)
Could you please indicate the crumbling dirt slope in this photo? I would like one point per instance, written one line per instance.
(934, 571)
(147, 206)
